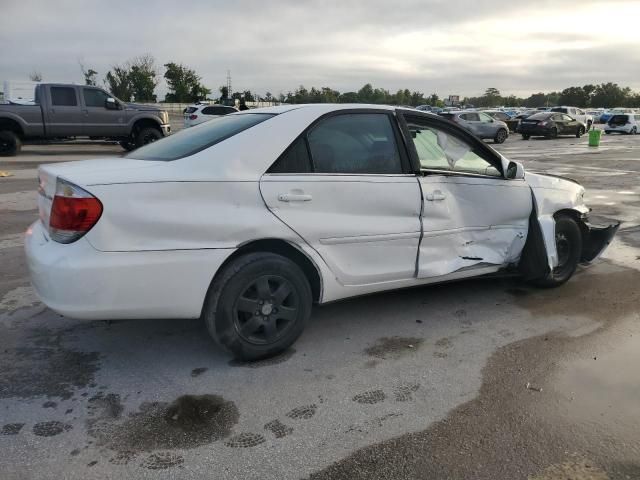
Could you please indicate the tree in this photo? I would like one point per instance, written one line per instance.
(491, 98)
(89, 75)
(224, 92)
(576, 96)
(610, 95)
(35, 76)
(184, 84)
(118, 82)
(136, 78)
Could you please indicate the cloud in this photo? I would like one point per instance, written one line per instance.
(444, 46)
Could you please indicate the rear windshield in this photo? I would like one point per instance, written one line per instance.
(190, 109)
(193, 140)
(540, 116)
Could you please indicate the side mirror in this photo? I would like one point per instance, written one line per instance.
(515, 171)
(111, 104)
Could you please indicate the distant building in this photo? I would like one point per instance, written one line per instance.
(452, 101)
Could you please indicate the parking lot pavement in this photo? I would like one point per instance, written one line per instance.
(483, 379)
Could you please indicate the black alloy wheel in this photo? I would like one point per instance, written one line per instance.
(266, 310)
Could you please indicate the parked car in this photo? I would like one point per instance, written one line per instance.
(250, 218)
(606, 116)
(196, 114)
(480, 124)
(628, 123)
(64, 111)
(576, 113)
(511, 122)
(551, 125)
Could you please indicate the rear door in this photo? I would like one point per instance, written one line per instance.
(472, 216)
(471, 121)
(64, 113)
(98, 120)
(346, 188)
(571, 125)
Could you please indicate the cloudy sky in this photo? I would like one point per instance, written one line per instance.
(444, 46)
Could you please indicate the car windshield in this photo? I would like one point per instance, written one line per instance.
(193, 140)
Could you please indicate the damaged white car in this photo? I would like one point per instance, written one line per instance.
(249, 219)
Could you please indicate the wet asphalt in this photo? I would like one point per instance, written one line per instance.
(482, 379)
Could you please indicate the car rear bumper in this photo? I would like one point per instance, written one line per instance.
(79, 281)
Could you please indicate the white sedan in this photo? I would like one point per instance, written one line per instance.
(249, 219)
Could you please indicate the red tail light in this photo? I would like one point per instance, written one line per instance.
(73, 213)
(193, 117)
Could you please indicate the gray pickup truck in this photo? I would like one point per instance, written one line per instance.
(64, 111)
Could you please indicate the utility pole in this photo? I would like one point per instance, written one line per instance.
(229, 91)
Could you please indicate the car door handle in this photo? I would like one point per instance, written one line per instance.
(435, 196)
(294, 197)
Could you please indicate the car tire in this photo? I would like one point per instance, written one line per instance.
(526, 136)
(127, 145)
(554, 133)
(501, 136)
(607, 132)
(569, 251)
(147, 135)
(589, 125)
(633, 131)
(580, 132)
(10, 144)
(253, 281)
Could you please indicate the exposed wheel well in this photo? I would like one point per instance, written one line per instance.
(281, 247)
(575, 215)
(11, 125)
(144, 123)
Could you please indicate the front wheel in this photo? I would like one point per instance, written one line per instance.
(633, 131)
(258, 306)
(501, 136)
(526, 136)
(589, 125)
(147, 135)
(580, 132)
(127, 145)
(568, 248)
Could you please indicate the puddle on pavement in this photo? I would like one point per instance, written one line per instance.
(188, 422)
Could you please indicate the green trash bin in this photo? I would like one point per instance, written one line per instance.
(594, 137)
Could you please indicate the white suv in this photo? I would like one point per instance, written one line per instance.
(628, 123)
(576, 113)
(196, 114)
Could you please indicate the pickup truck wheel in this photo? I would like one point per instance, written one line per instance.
(580, 132)
(589, 125)
(501, 136)
(128, 146)
(147, 135)
(569, 250)
(258, 306)
(10, 144)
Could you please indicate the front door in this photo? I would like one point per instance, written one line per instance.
(346, 188)
(98, 120)
(472, 217)
(64, 115)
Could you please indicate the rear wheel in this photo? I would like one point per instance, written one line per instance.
(526, 136)
(633, 131)
(580, 132)
(10, 144)
(258, 306)
(569, 250)
(553, 133)
(501, 136)
(147, 135)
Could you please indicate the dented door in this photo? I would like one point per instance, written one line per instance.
(471, 222)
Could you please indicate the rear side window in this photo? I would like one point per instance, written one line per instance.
(355, 143)
(193, 140)
(190, 109)
(63, 97)
(294, 160)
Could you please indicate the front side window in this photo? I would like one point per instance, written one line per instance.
(361, 143)
(63, 97)
(94, 97)
(439, 150)
(195, 139)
